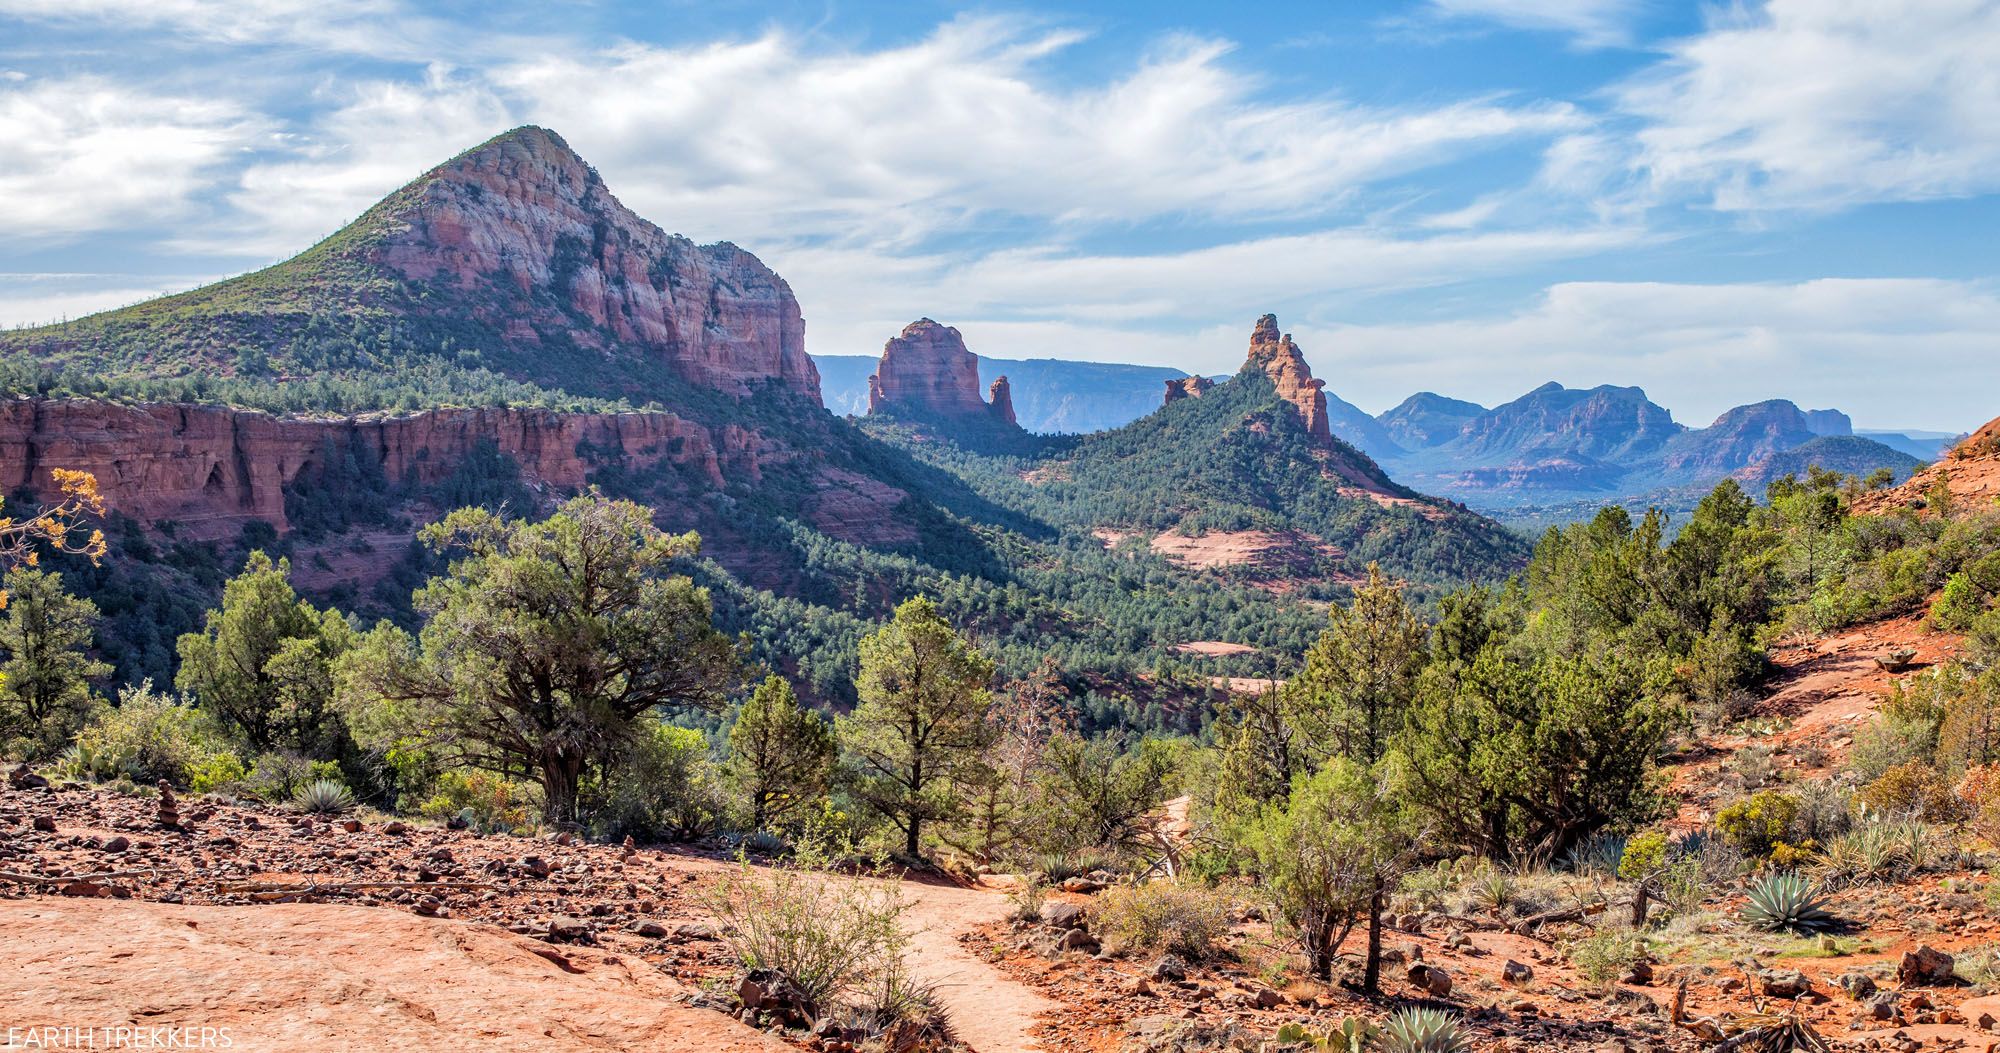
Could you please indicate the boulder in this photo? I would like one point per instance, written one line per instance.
(1057, 915)
(1926, 965)
(1784, 983)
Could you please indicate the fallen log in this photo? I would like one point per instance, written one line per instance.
(64, 879)
(1556, 917)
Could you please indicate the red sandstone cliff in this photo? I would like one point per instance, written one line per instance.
(927, 370)
(1282, 361)
(212, 469)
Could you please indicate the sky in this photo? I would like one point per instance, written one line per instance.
(1720, 203)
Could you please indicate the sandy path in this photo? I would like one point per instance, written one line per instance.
(991, 1011)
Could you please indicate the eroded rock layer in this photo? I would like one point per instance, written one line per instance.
(210, 470)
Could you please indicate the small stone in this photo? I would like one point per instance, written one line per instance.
(1639, 975)
(649, 928)
(1858, 985)
(1784, 983)
(1516, 973)
(45, 823)
(1079, 940)
(1062, 915)
(394, 827)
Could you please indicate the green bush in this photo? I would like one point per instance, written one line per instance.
(220, 772)
(1757, 825)
(665, 786)
(828, 934)
(1958, 604)
(149, 736)
(1645, 854)
(1165, 916)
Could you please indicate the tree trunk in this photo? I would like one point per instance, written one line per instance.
(562, 774)
(1371, 976)
(912, 837)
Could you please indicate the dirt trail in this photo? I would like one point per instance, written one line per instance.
(314, 977)
(992, 1011)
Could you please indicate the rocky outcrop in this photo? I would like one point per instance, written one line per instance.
(1186, 388)
(211, 470)
(1274, 353)
(927, 372)
(525, 223)
(1000, 401)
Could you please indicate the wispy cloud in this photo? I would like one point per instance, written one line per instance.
(1821, 105)
(770, 139)
(1592, 23)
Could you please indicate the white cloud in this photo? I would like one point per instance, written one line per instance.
(1823, 104)
(1033, 303)
(87, 154)
(380, 135)
(379, 28)
(1594, 23)
(1893, 352)
(768, 139)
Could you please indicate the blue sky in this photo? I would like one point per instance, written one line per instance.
(1720, 203)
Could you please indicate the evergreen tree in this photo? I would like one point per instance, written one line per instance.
(46, 636)
(922, 721)
(779, 752)
(544, 645)
(263, 662)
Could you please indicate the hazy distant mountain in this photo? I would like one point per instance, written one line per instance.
(1558, 444)
(1050, 395)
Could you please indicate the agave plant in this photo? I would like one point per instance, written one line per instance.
(323, 796)
(1786, 902)
(1423, 1031)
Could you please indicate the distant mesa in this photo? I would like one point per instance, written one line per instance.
(927, 372)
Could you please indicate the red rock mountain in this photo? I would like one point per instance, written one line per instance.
(523, 213)
(927, 371)
(1187, 388)
(514, 258)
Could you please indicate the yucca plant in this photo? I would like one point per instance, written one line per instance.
(1493, 889)
(1423, 1031)
(323, 796)
(1786, 902)
(1598, 856)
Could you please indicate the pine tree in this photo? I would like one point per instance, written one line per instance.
(779, 752)
(922, 721)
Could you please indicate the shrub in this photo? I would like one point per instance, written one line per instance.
(147, 737)
(827, 934)
(486, 802)
(1027, 899)
(1958, 604)
(1165, 916)
(323, 797)
(1605, 954)
(1786, 902)
(1757, 825)
(1913, 790)
(1492, 889)
(1602, 854)
(666, 786)
(1645, 854)
(221, 771)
